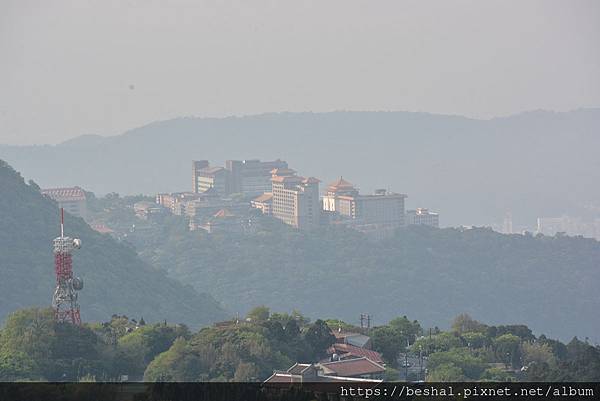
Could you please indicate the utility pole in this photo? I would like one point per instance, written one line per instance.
(430, 342)
(365, 321)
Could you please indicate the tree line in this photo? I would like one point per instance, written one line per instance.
(34, 347)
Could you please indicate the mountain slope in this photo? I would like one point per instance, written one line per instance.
(116, 280)
(472, 171)
(549, 283)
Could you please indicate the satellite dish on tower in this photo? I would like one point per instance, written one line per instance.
(77, 283)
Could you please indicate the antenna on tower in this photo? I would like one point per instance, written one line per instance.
(62, 222)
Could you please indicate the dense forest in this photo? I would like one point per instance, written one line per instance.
(34, 347)
(116, 279)
(549, 282)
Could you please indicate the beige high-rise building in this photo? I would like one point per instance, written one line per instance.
(380, 210)
(295, 199)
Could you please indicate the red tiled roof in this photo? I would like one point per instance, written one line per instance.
(355, 352)
(341, 183)
(353, 367)
(64, 194)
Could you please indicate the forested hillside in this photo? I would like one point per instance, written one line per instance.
(549, 282)
(116, 279)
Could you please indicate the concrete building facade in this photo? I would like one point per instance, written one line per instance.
(422, 216)
(213, 178)
(382, 209)
(252, 177)
(295, 199)
(197, 165)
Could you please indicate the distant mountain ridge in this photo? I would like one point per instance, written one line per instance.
(116, 280)
(472, 171)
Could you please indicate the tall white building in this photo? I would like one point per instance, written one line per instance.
(295, 199)
(380, 210)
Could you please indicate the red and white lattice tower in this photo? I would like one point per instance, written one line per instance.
(64, 301)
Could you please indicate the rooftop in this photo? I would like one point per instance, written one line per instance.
(421, 211)
(284, 377)
(298, 368)
(283, 171)
(341, 184)
(64, 194)
(349, 350)
(267, 196)
(311, 180)
(211, 170)
(287, 178)
(352, 367)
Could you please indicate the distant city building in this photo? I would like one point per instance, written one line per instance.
(381, 212)
(423, 217)
(146, 210)
(247, 177)
(203, 210)
(176, 201)
(72, 199)
(295, 199)
(216, 178)
(222, 221)
(197, 165)
(339, 197)
(569, 226)
(264, 203)
(252, 177)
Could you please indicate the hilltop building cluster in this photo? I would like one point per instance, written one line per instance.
(247, 177)
(226, 198)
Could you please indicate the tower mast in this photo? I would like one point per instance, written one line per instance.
(64, 300)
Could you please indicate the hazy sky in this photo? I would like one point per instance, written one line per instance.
(69, 68)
